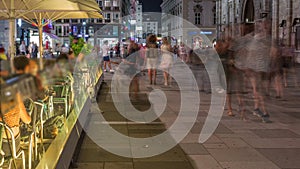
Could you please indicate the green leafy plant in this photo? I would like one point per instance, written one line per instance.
(87, 49)
(77, 45)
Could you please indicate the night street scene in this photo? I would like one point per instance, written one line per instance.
(150, 84)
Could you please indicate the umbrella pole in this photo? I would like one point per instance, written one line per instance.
(40, 26)
(12, 24)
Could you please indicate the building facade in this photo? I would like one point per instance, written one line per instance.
(199, 13)
(284, 15)
(139, 20)
(4, 33)
(93, 30)
(150, 27)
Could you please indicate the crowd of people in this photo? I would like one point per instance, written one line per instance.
(15, 111)
(252, 59)
(257, 60)
(150, 56)
(30, 51)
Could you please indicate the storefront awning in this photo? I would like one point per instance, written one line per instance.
(52, 36)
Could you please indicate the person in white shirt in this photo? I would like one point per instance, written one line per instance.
(105, 55)
(182, 52)
(22, 48)
(30, 49)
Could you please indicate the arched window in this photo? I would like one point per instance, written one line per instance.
(198, 10)
(214, 10)
(198, 18)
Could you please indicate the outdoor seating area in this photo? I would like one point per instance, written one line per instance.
(49, 114)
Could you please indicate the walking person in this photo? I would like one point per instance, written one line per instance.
(234, 77)
(257, 65)
(106, 59)
(34, 50)
(132, 61)
(57, 49)
(166, 59)
(22, 48)
(152, 56)
(183, 52)
(30, 49)
(276, 72)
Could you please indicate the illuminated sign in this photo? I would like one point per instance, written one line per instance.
(201, 33)
(206, 33)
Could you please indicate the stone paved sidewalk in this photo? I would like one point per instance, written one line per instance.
(236, 144)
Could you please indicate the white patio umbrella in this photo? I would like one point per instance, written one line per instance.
(34, 11)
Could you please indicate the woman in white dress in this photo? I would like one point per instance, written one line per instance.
(151, 57)
(166, 59)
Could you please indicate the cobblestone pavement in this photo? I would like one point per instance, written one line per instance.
(236, 144)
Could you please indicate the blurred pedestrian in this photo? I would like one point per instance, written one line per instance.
(57, 49)
(255, 58)
(176, 50)
(117, 49)
(183, 52)
(131, 70)
(21, 64)
(166, 59)
(30, 49)
(35, 50)
(3, 58)
(2, 53)
(142, 60)
(234, 77)
(152, 58)
(22, 48)
(276, 71)
(106, 58)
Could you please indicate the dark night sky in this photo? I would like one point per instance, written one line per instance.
(151, 5)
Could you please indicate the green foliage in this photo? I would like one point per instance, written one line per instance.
(78, 46)
(87, 49)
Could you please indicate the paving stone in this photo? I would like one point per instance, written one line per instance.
(249, 165)
(242, 125)
(236, 155)
(274, 142)
(197, 128)
(284, 158)
(215, 145)
(235, 143)
(204, 161)
(139, 135)
(191, 138)
(285, 119)
(162, 165)
(146, 126)
(118, 165)
(293, 114)
(89, 165)
(221, 129)
(113, 116)
(213, 140)
(151, 131)
(193, 149)
(276, 133)
(175, 154)
(99, 155)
